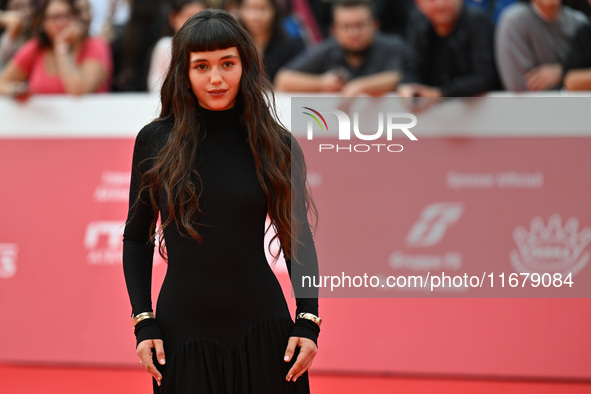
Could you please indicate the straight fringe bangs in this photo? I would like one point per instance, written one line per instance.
(211, 35)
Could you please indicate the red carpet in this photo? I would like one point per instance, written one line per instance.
(78, 380)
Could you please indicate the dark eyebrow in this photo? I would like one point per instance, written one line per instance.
(222, 58)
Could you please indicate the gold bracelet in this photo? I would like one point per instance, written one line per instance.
(310, 316)
(142, 316)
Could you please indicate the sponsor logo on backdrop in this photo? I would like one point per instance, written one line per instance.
(8, 258)
(552, 248)
(495, 180)
(104, 241)
(430, 228)
(389, 123)
(433, 221)
(113, 187)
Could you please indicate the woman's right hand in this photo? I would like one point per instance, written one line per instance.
(71, 35)
(144, 352)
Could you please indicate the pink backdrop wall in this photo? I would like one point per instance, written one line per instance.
(63, 297)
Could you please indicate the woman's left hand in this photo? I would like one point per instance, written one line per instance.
(308, 350)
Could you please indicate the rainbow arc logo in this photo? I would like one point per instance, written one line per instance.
(315, 118)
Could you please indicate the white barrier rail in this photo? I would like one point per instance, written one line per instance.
(122, 115)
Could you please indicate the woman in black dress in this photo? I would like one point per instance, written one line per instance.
(213, 166)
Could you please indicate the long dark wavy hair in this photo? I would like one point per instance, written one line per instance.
(271, 144)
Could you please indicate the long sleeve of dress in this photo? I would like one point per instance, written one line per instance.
(138, 252)
(303, 272)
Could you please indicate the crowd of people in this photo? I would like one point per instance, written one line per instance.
(416, 48)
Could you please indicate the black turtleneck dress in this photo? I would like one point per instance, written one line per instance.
(221, 312)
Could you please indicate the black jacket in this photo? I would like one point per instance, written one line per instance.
(580, 53)
(460, 64)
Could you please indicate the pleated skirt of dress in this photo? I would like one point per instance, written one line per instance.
(208, 366)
